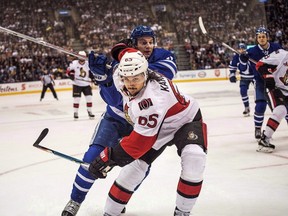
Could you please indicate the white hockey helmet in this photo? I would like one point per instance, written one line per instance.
(132, 64)
(82, 53)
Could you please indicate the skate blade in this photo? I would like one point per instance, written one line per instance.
(265, 149)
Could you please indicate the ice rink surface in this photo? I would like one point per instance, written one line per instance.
(238, 180)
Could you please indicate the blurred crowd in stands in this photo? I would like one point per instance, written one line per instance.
(97, 25)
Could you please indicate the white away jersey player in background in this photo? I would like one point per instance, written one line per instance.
(78, 71)
(274, 69)
(161, 117)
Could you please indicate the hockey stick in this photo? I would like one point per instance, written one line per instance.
(201, 24)
(41, 42)
(67, 157)
(83, 80)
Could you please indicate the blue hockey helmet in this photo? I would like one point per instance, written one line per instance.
(262, 30)
(141, 31)
(242, 46)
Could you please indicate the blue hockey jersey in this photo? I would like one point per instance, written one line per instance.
(256, 53)
(244, 74)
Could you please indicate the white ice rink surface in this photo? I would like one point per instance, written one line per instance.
(238, 180)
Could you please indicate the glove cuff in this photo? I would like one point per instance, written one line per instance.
(99, 77)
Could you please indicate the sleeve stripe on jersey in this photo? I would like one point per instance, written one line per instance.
(176, 108)
(136, 145)
(169, 64)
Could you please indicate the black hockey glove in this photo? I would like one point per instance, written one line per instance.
(269, 82)
(265, 68)
(244, 57)
(233, 78)
(70, 74)
(121, 45)
(102, 164)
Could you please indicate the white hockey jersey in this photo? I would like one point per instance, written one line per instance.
(280, 74)
(81, 77)
(157, 112)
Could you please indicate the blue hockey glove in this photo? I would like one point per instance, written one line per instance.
(97, 65)
(102, 164)
(244, 57)
(233, 78)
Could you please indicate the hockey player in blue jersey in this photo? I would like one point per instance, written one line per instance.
(263, 48)
(113, 126)
(246, 78)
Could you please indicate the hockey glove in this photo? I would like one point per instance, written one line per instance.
(244, 57)
(70, 74)
(97, 65)
(121, 45)
(269, 82)
(92, 77)
(265, 68)
(102, 164)
(233, 78)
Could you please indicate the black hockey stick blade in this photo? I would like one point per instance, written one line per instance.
(41, 137)
(67, 157)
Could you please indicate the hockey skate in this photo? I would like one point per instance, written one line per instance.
(246, 112)
(257, 133)
(71, 208)
(122, 212)
(76, 115)
(91, 115)
(177, 212)
(264, 145)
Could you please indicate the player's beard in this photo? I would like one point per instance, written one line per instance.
(133, 91)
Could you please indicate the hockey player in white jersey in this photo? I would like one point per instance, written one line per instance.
(161, 117)
(274, 69)
(78, 71)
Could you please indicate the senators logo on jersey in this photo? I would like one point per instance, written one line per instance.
(284, 79)
(127, 117)
(145, 103)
